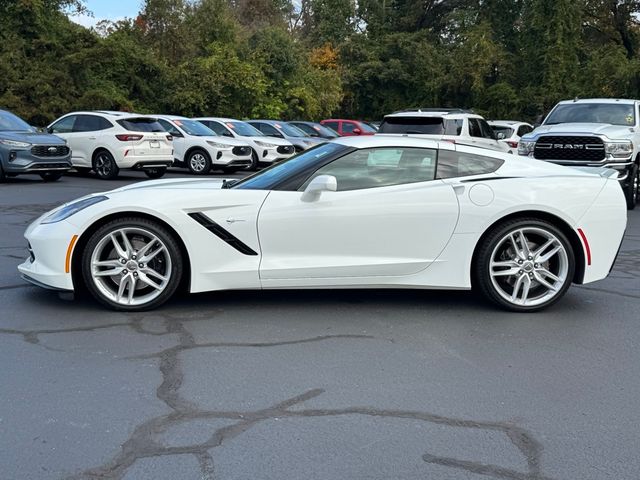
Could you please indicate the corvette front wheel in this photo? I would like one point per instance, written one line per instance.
(525, 265)
(132, 264)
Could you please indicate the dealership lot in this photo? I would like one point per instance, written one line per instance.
(319, 384)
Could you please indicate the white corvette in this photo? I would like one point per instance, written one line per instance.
(359, 212)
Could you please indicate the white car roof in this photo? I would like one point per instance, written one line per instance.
(599, 100)
(220, 119)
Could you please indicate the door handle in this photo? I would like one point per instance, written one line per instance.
(92, 138)
(234, 220)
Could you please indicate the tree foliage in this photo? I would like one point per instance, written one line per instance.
(317, 58)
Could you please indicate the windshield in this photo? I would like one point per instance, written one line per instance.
(244, 129)
(142, 124)
(279, 172)
(195, 128)
(506, 131)
(325, 132)
(289, 130)
(11, 123)
(367, 128)
(612, 113)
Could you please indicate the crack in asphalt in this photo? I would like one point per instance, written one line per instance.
(143, 441)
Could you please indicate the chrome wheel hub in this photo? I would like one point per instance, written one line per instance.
(198, 162)
(529, 266)
(131, 266)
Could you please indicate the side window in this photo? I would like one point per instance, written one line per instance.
(380, 167)
(64, 126)
(459, 164)
(218, 128)
(524, 129)
(348, 127)
(169, 127)
(474, 128)
(306, 129)
(334, 125)
(487, 131)
(91, 123)
(269, 130)
(453, 127)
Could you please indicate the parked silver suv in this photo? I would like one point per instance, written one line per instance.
(23, 150)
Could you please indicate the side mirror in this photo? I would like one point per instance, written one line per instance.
(322, 183)
(49, 130)
(357, 131)
(176, 134)
(227, 134)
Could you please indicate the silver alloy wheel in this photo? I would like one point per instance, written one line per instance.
(104, 165)
(635, 185)
(198, 162)
(131, 266)
(529, 266)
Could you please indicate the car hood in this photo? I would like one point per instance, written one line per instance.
(32, 137)
(236, 142)
(273, 140)
(610, 131)
(172, 184)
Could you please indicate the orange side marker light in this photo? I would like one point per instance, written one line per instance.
(67, 263)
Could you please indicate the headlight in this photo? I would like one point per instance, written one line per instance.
(73, 208)
(618, 149)
(265, 144)
(219, 145)
(526, 147)
(13, 143)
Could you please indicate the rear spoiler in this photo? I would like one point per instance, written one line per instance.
(601, 171)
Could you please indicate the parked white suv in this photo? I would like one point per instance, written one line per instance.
(453, 125)
(107, 142)
(509, 131)
(265, 150)
(200, 149)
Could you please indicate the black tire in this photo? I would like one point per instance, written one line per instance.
(105, 165)
(155, 172)
(149, 226)
(631, 190)
(254, 161)
(51, 176)
(3, 176)
(198, 162)
(496, 240)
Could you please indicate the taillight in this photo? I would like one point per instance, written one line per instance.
(129, 138)
(512, 144)
(170, 138)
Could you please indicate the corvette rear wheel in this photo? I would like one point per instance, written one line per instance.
(525, 265)
(132, 264)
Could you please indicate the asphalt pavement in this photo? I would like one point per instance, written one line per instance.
(344, 385)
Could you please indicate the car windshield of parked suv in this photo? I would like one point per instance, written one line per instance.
(506, 131)
(413, 125)
(276, 174)
(611, 113)
(195, 128)
(366, 128)
(11, 123)
(244, 129)
(290, 130)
